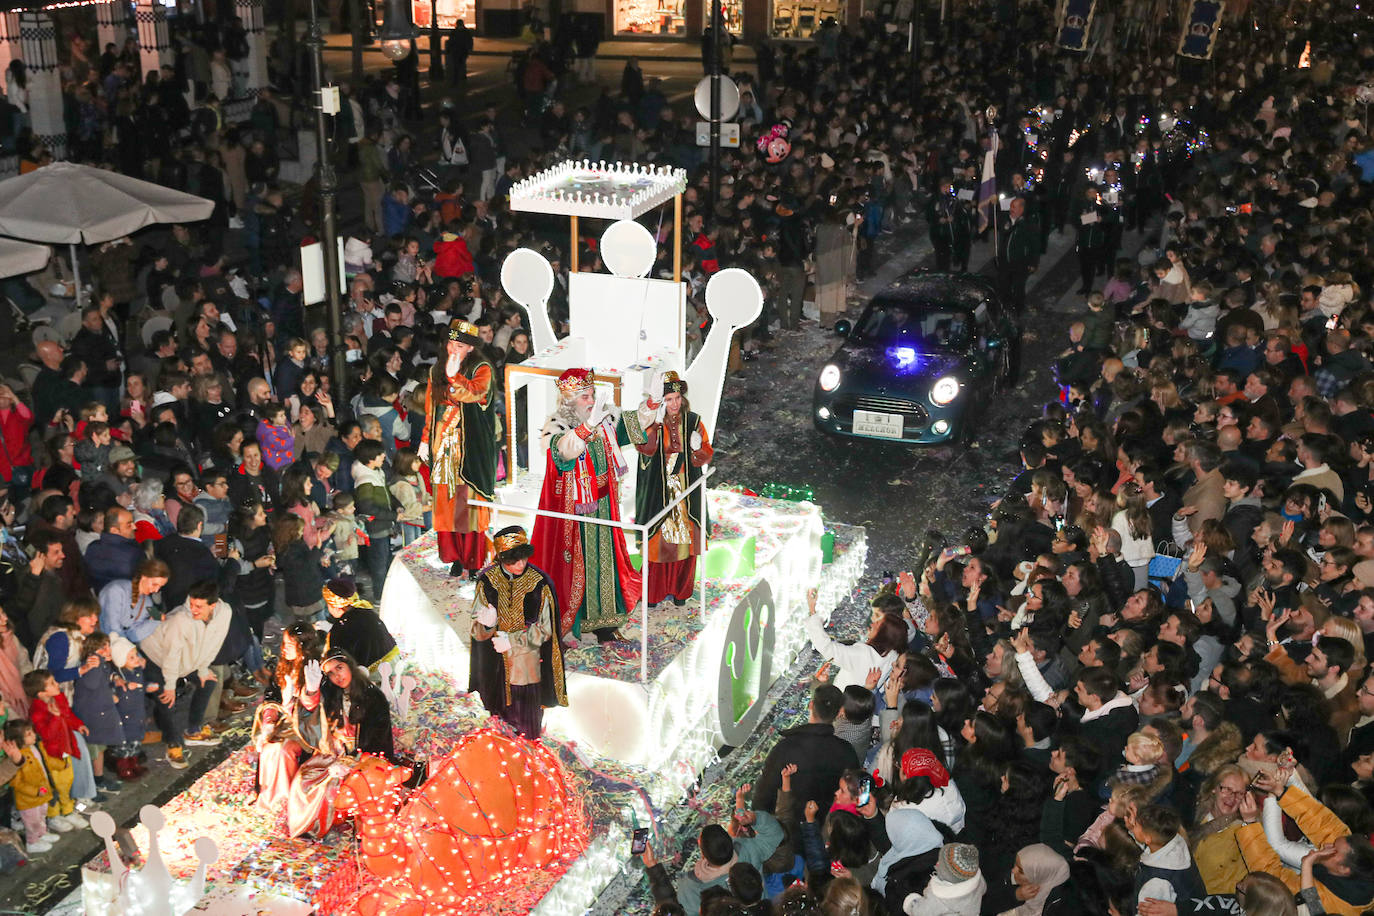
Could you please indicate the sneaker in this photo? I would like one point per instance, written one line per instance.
(60, 824)
(78, 821)
(109, 782)
(204, 738)
(41, 845)
(176, 758)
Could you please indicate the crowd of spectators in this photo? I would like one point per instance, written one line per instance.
(1144, 680)
(1069, 720)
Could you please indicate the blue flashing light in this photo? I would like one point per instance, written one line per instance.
(904, 358)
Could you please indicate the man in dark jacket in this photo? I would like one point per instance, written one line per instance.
(188, 557)
(115, 554)
(95, 346)
(1109, 716)
(41, 592)
(820, 755)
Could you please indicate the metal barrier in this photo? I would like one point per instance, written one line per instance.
(643, 530)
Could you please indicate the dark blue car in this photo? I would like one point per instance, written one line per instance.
(920, 363)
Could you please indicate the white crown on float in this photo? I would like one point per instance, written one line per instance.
(150, 891)
(601, 190)
(624, 322)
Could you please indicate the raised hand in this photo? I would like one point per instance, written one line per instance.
(314, 674)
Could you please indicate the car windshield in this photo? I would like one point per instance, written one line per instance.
(915, 325)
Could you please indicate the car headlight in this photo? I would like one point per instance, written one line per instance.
(944, 390)
(830, 377)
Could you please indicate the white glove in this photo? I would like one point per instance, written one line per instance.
(597, 415)
(501, 643)
(696, 441)
(486, 615)
(423, 452)
(656, 388)
(313, 675)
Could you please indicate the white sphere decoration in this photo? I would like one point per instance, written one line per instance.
(628, 249)
(527, 277)
(102, 824)
(206, 849)
(733, 297)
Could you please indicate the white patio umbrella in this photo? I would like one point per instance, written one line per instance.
(70, 204)
(21, 258)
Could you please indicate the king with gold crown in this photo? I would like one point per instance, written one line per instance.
(590, 565)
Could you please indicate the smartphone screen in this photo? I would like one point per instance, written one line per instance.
(639, 841)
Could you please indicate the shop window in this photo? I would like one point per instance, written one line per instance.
(450, 11)
(650, 17)
(802, 18)
(731, 13)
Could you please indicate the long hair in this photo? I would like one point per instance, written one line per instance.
(992, 749)
(332, 697)
(891, 635)
(1131, 499)
(149, 569)
(956, 707)
(917, 730)
(845, 897)
(846, 839)
(311, 646)
(286, 531)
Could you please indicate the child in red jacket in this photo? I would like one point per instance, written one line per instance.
(56, 726)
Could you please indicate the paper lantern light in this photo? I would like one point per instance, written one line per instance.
(495, 807)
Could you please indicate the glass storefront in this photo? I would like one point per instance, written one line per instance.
(731, 13)
(450, 11)
(650, 17)
(801, 18)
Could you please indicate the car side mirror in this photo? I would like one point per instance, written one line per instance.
(843, 327)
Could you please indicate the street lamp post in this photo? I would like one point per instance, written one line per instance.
(436, 50)
(329, 223)
(716, 25)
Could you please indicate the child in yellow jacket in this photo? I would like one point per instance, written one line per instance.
(42, 786)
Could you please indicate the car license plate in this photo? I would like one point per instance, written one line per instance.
(886, 425)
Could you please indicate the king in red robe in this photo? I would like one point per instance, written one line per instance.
(589, 564)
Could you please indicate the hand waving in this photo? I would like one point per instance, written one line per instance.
(314, 674)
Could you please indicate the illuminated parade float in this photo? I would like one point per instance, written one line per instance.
(501, 824)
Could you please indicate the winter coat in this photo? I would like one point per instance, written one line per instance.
(299, 568)
(451, 256)
(32, 786)
(56, 726)
(96, 704)
(278, 445)
(14, 439)
(132, 702)
(111, 557)
(945, 899)
(253, 587)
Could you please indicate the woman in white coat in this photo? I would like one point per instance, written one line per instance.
(885, 641)
(1132, 522)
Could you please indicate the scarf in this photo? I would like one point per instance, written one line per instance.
(1044, 867)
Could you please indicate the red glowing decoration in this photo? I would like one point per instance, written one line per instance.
(495, 807)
